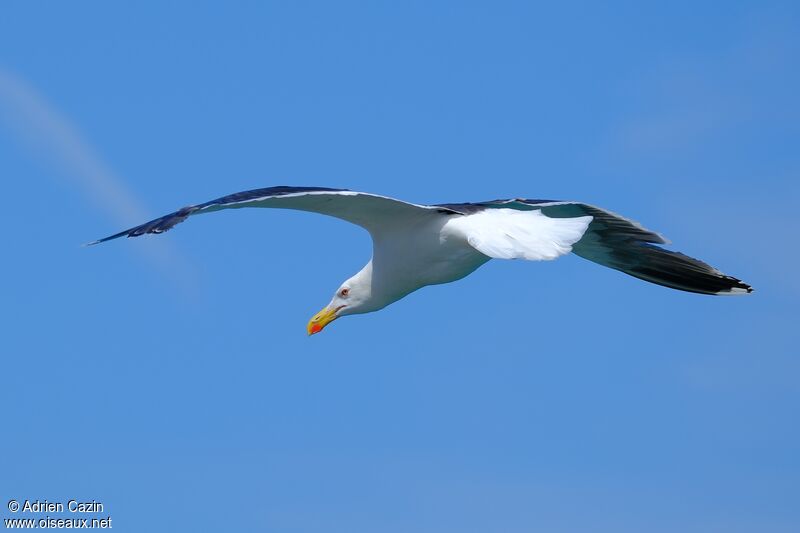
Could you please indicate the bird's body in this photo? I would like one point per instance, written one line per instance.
(433, 252)
(419, 245)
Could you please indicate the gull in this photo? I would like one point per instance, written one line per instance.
(418, 245)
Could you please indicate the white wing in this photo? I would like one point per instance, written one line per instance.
(592, 233)
(370, 211)
(514, 234)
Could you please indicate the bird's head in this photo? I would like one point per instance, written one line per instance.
(350, 298)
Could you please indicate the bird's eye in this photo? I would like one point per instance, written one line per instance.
(344, 292)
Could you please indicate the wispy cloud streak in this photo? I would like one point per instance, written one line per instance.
(53, 136)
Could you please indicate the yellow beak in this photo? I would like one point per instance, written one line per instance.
(321, 319)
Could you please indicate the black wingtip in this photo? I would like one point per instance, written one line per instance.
(158, 225)
(738, 287)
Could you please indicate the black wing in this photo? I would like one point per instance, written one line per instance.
(625, 245)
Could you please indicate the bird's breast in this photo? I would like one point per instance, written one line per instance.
(413, 257)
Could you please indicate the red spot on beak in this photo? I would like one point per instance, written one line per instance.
(316, 328)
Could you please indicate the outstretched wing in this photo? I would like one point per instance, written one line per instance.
(370, 211)
(592, 233)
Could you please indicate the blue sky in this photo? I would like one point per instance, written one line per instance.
(171, 378)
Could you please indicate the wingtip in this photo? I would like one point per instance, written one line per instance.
(741, 288)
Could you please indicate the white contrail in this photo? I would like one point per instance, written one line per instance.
(53, 136)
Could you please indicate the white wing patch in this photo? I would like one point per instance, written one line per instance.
(514, 234)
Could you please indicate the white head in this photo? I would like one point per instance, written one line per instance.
(354, 296)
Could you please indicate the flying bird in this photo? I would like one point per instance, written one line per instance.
(418, 245)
